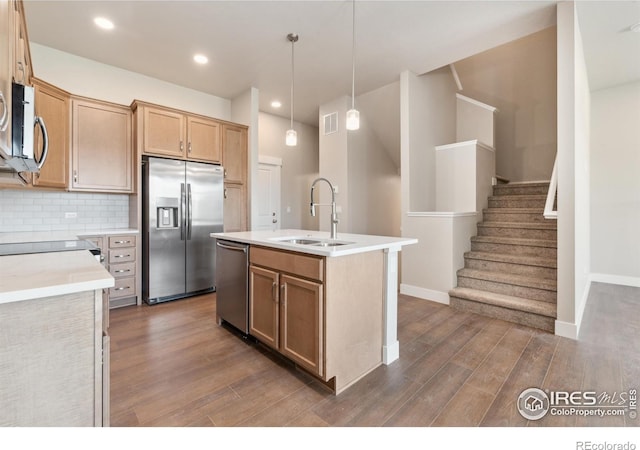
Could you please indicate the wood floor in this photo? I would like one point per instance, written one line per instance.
(171, 365)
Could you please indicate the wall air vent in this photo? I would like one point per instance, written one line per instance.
(330, 123)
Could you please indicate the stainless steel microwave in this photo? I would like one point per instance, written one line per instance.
(22, 157)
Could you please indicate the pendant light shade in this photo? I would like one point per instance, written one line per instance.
(353, 116)
(291, 138)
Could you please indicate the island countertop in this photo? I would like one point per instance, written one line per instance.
(349, 244)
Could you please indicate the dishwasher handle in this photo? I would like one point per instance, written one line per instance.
(229, 247)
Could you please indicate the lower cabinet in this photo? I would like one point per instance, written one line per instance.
(323, 313)
(286, 313)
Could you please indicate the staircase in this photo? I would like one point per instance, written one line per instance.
(511, 271)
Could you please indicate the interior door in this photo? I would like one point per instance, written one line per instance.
(204, 216)
(268, 204)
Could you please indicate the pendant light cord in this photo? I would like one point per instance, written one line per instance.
(292, 42)
(353, 56)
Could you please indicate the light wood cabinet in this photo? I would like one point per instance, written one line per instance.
(175, 134)
(324, 314)
(22, 69)
(6, 73)
(52, 104)
(120, 259)
(102, 152)
(235, 217)
(286, 310)
(234, 154)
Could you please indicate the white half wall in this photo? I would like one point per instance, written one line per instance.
(85, 77)
(615, 182)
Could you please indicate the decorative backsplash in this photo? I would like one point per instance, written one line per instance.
(23, 210)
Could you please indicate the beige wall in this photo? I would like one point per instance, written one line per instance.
(518, 78)
(89, 78)
(615, 181)
(299, 167)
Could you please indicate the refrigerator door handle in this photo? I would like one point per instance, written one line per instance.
(189, 212)
(183, 214)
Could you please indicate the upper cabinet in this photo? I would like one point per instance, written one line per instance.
(6, 73)
(175, 134)
(22, 70)
(52, 104)
(102, 150)
(234, 157)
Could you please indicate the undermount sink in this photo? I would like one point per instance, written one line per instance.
(314, 242)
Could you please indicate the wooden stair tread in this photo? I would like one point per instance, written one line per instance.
(523, 225)
(519, 197)
(513, 259)
(514, 210)
(505, 301)
(506, 278)
(516, 241)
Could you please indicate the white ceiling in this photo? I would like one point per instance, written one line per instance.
(247, 46)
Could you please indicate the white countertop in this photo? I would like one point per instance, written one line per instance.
(38, 275)
(353, 243)
(38, 236)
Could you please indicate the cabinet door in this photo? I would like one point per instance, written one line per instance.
(163, 133)
(22, 70)
(6, 72)
(264, 298)
(102, 154)
(203, 138)
(234, 153)
(234, 208)
(53, 106)
(301, 322)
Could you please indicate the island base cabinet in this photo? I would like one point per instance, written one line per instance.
(324, 314)
(51, 362)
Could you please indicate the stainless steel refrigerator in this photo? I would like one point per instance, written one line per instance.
(181, 205)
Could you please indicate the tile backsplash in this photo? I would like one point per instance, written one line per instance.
(23, 210)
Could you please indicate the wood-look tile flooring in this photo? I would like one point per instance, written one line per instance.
(171, 365)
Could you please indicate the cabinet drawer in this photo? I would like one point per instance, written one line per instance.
(122, 255)
(124, 287)
(307, 266)
(123, 270)
(122, 241)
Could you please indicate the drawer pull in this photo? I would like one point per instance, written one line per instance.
(122, 270)
(121, 288)
(121, 256)
(122, 242)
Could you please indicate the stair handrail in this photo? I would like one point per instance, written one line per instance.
(549, 212)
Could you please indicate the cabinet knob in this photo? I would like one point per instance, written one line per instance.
(189, 147)
(181, 146)
(75, 176)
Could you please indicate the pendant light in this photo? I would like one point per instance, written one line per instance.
(291, 138)
(353, 116)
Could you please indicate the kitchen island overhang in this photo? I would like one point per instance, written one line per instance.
(345, 248)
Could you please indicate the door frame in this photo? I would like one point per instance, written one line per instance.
(276, 163)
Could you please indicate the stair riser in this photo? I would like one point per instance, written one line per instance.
(524, 233)
(520, 190)
(542, 295)
(494, 216)
(509, 249)
(520, 317)
(515, 202)
(511, 268)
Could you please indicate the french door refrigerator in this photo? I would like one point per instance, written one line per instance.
(181, 205)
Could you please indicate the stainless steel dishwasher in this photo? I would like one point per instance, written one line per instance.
(232, 284)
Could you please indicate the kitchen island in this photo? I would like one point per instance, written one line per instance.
(54, 367)
(329, 305)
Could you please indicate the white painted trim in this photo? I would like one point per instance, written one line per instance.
(615, 279)
(445, 214)
(475, 142)
(493, 109)
(456, 78)
(269, 160)
(425, 294)
(566, 329)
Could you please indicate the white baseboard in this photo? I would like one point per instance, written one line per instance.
(425, 294)
(572, 330)
(615, 279)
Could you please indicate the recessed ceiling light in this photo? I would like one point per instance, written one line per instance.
(276, 104)
(635, 27)
(103, 23)
(200, 59)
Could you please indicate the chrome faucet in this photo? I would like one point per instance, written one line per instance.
(334, 215)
